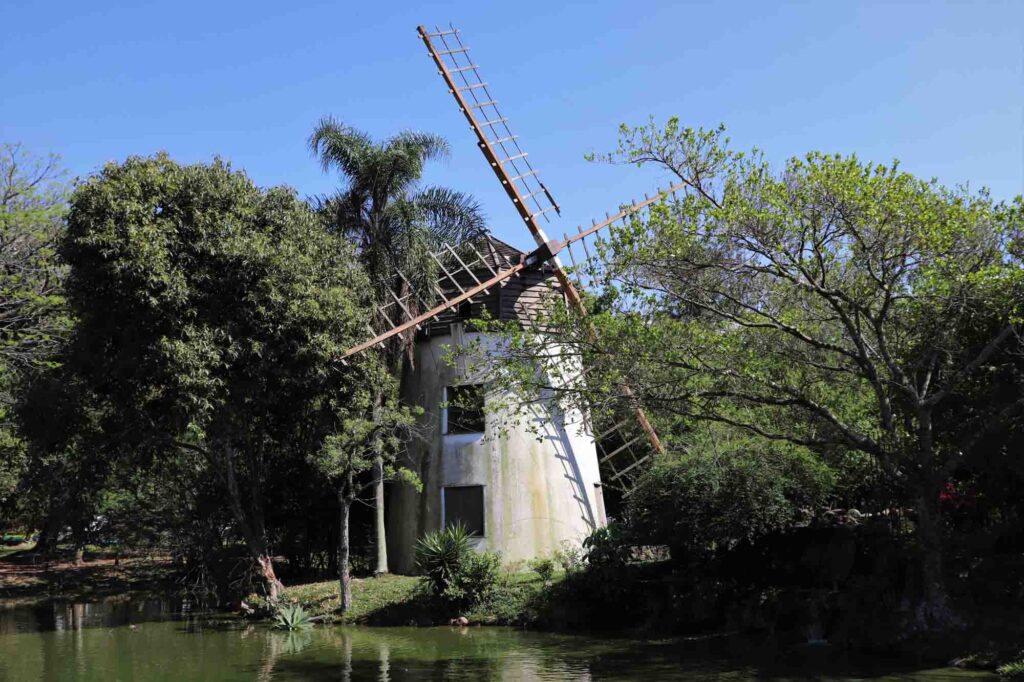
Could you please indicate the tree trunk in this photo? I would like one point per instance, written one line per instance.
(382, 540)
(266, 568)
(378, 496)
(932, 583)
(252, 531)
(344, 576)
(49, 536)
(933, 611)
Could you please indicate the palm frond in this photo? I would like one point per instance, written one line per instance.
(338, 145)
(426, 146)
(451, 217)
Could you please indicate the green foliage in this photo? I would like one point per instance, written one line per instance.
(543, 567)
(1013, 670)
(829, 310)
(440, 554)
(569, 557)
(703, 501)
(239, 302)
(292, 617)
(606, 548)
(452, 569)
(32, 206)
(237, 295)
(365, 433)
(395, 222)
(33, 316)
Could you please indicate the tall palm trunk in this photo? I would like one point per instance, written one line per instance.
(380, 527)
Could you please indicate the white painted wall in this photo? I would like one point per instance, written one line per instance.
(540, 486)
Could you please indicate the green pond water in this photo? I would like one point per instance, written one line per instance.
(153, 641)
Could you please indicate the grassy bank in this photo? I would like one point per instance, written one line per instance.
(401, 600)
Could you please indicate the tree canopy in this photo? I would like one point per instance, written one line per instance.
(821, 306)
(211, 314)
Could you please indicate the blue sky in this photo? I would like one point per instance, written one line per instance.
(938, 85)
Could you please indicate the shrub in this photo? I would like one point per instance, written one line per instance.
(569, 557)
(293, 617)
(701, 503)
(545, 568)
(606, 547)
(479, 575)
(452, 569)
(1013, 671)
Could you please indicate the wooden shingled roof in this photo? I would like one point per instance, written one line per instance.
(517, 298)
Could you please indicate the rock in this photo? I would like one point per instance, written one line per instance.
(461, 621)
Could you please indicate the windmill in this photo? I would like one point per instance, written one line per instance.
(611, 453)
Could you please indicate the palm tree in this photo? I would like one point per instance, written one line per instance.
(394, 223)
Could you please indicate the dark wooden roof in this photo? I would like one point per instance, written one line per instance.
(517, 298)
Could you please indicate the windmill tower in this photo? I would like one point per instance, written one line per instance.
(528, 484)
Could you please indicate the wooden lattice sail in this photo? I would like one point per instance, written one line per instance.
(625, 438)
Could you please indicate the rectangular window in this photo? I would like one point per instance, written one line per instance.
(464, 504)
(465, 411)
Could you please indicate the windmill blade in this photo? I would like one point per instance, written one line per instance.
(459, 282)
(464, 274)
(472, 95)
(500, 146)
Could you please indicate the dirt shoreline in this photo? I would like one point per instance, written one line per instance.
(26, 576)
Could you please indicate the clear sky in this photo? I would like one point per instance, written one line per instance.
(938, 85)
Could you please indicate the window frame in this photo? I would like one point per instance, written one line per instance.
(483, 506)
(445, 423)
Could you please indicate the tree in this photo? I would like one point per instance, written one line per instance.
(394, 224)
(33, 320)
(820, 306)
(32, 204)
(211, 314)
(369, 436)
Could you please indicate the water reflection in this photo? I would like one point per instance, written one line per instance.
(151, 640)
(62, 615)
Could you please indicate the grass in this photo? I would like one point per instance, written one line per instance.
(401, 600)
(369, 596)
(8, 550)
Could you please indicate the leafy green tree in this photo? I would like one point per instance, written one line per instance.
(395, 224)
(33, 320)
(821, 306)
(33, 200)
(211, 314)
(369, 435)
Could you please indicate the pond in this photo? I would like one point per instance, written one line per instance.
(153, 641)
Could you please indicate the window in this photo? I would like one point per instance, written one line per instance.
(465, 411)
(464, 504)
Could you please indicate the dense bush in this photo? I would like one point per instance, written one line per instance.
(453, 570)
(698, 504)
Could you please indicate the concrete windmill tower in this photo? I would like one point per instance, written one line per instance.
(525, 484)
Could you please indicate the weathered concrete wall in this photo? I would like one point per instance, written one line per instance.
(540, 475)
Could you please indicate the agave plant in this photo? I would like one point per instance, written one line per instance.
(293, 617)
(441, 555)
(1012, 671)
